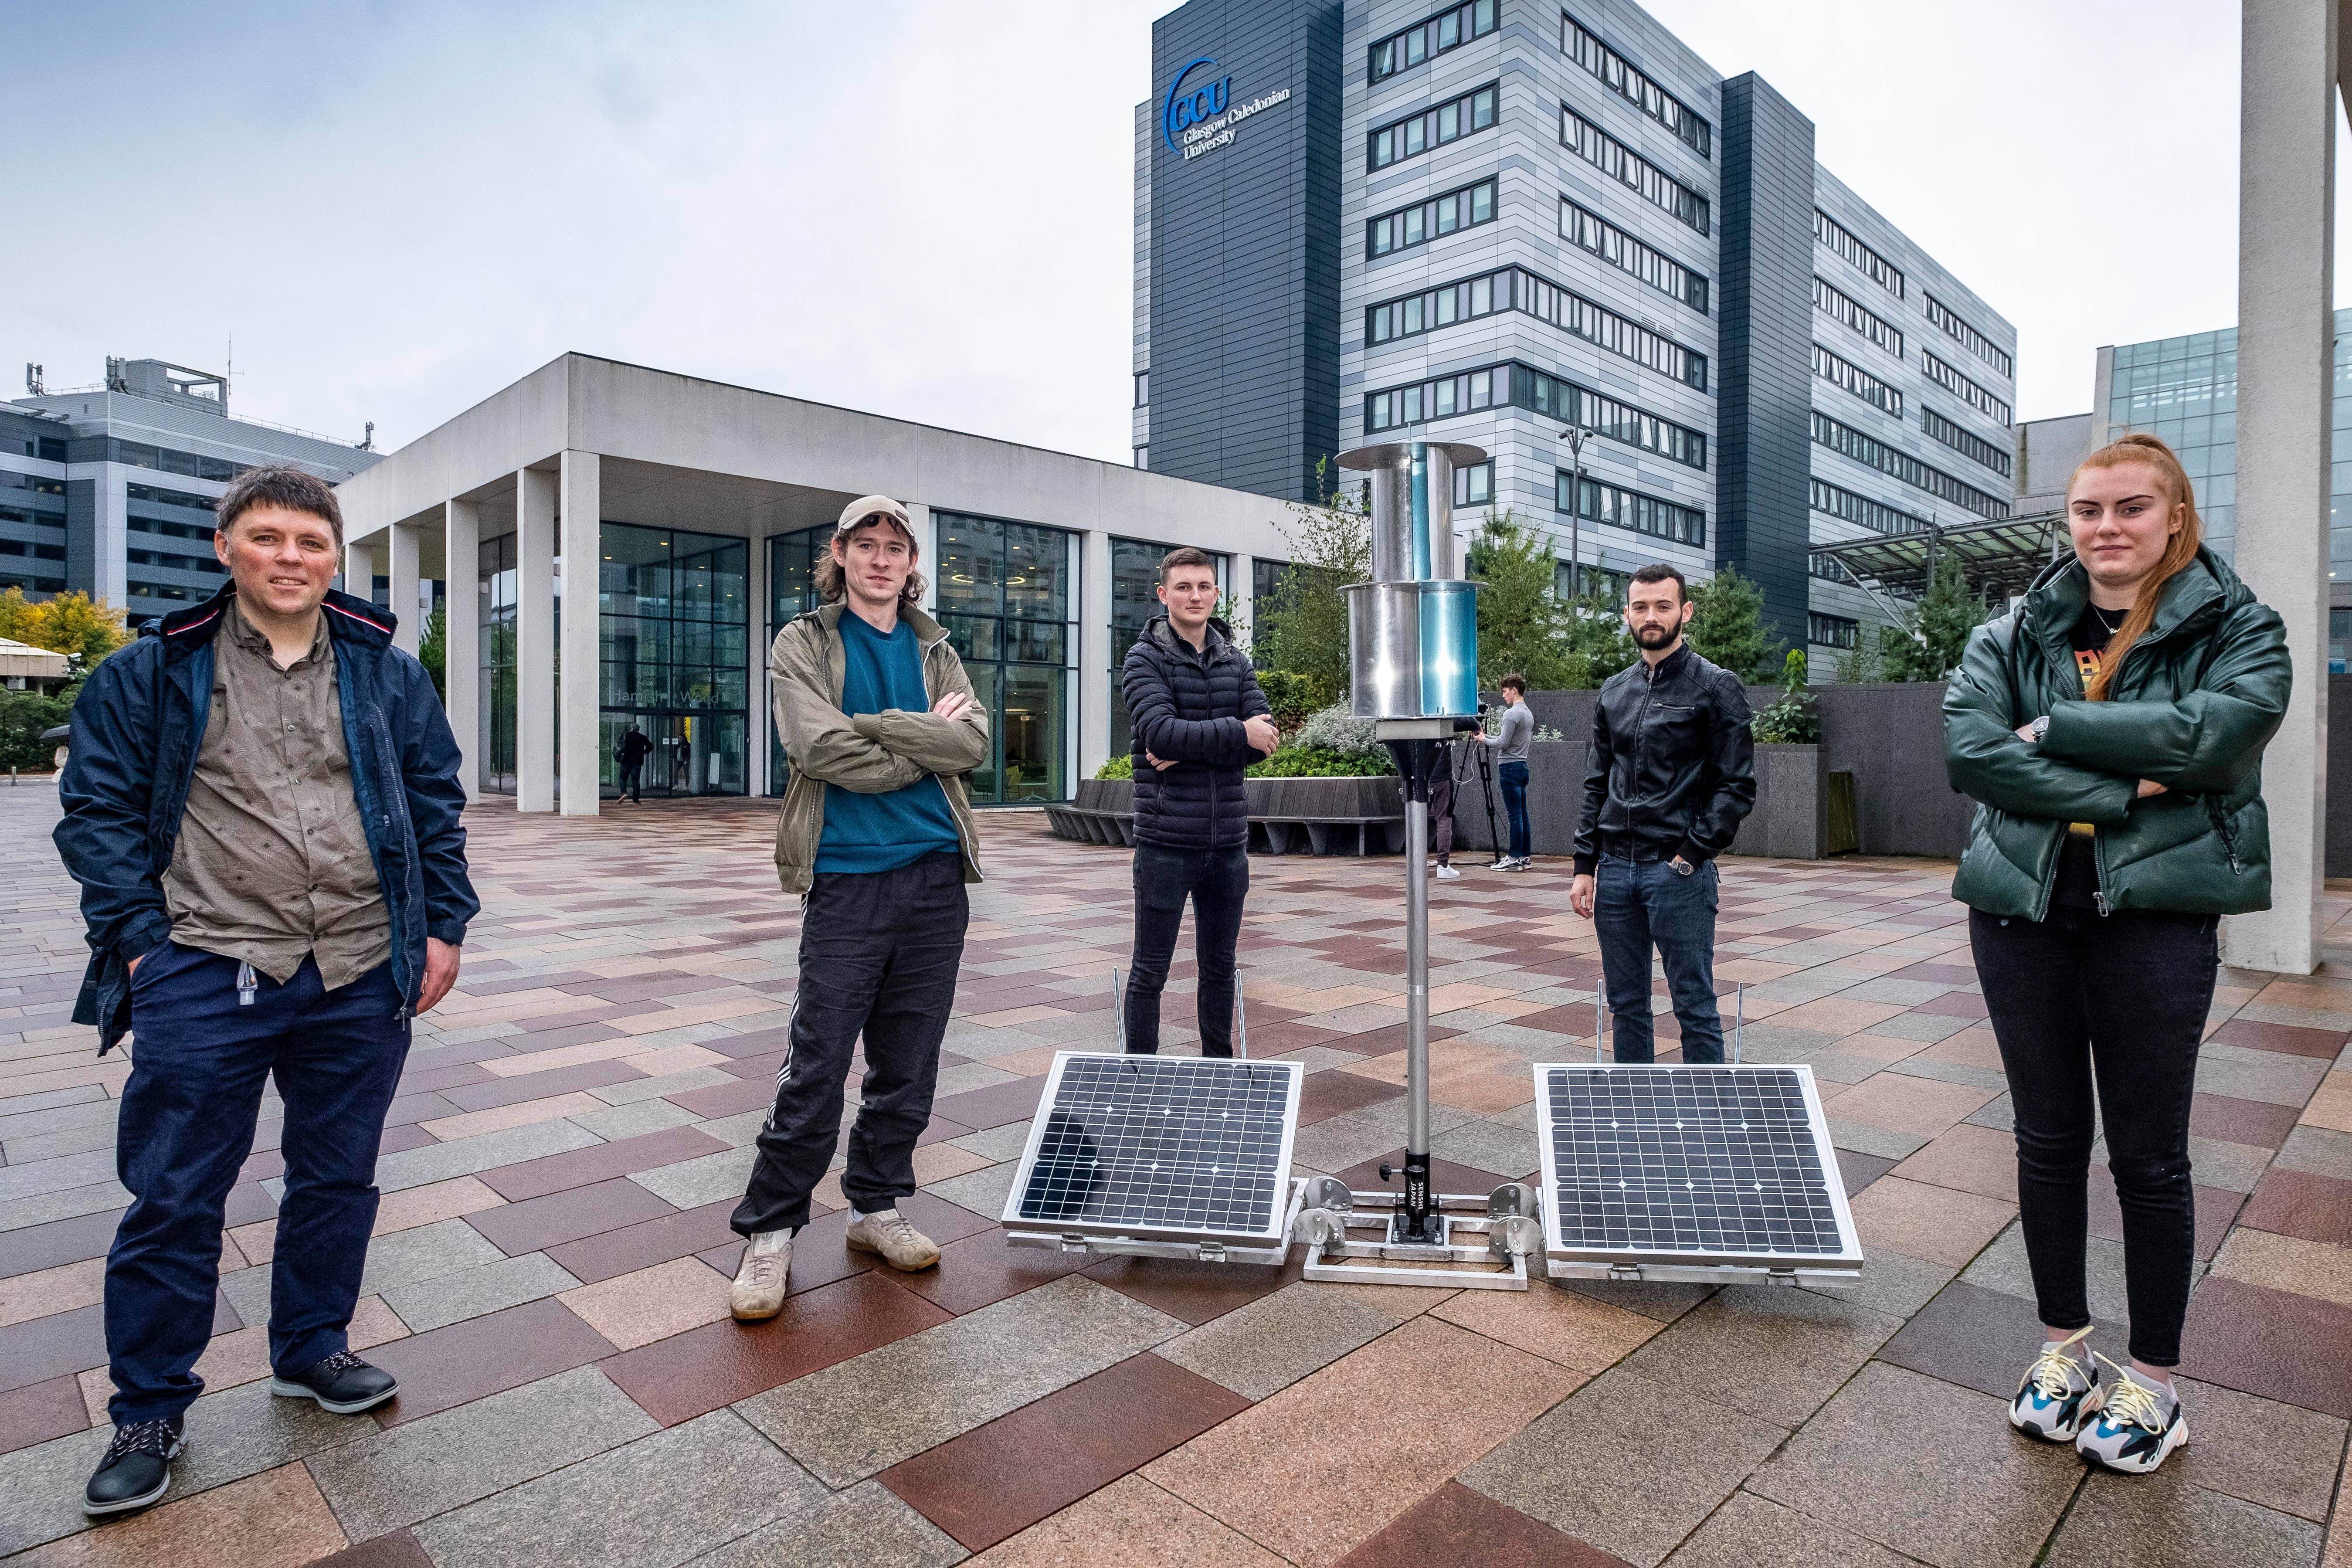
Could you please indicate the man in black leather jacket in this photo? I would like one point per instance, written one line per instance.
(1670, 774)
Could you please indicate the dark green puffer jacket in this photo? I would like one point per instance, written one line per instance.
(2198, 698)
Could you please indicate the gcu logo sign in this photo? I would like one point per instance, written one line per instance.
(1183, 110)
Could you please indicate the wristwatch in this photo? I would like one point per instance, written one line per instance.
(1682, 866)
(2038, 728)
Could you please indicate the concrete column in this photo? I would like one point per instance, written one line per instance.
(461, 534)
(111, 538)
(2102, 396)
(756, 722)
(1243, 587)
(2286, 187)
(359, 566)
(1094, 653)
(579, 735)
(534, 640)
(406, 617)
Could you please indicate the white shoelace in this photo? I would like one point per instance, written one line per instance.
(2127, 1402)
(2052, 1371)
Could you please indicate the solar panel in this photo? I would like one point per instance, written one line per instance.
(1690, 1173)
(1188, 1148)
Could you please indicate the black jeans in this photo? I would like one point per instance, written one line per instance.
(2120, 1002)
(1513, 777)
(633, 776)
(1217, 880)
(880, 953)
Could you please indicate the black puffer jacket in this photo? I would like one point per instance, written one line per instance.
(1187, 708)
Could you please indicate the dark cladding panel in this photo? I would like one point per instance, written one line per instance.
(81, 536)
(1764, 451)
(1246, 244)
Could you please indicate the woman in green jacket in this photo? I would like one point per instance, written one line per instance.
(2111, 729)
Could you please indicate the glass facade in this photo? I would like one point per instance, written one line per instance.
(1007, 595)
(792, 592)
(674, 613)
(1134, 577)
(495, 758)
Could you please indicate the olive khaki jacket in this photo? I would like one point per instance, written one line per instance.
(872, 753)
(2196, 700)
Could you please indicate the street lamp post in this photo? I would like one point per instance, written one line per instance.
(1577, 436)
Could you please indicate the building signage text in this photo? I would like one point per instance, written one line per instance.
(1200, 122)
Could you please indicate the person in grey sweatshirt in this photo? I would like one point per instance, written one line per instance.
(1511, 741)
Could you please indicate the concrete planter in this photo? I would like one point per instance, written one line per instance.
(1791, 821)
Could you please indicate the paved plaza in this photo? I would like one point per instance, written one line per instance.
(549, 1275)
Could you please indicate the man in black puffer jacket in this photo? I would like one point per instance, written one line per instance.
(1199, 720)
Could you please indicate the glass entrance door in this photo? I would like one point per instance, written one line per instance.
(1007, 598)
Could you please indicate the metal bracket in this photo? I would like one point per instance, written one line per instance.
(1629, 1272)
(1490, 1243)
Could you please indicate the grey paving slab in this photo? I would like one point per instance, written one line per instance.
(1770, 1042)
(2301, 1017)
(1924, 1467)
(706, 1179)
(50, 1098)
(2232, 1167)
(1902, 992)
(55, 1174)
(40, 1489)
(1337, 1143)
(390, 1479)
(1999, 1113)
(1865, 1139)
(1892, 1282)
(25, 1150)
(656, 1502)
(1747, 1532)
(982, 1192)
(402, 1258)
(2156, 1521)
(865, 1527)
(634, 1119)
(1487, 1145)
(2321, 1150)
(71, 1203)
(1387, 1115)
(2280, 1455)
(93, 1110)
(1664, 1302)
(1950, 1072)
(999, 1143)
(2274, 1077)
(1767, 1352)
(2002, 1267)
(470, 1292)
(1928, 1028)
(966, 1076)
(739, 1131)
(637, 1089)
(1626, 1465)
(1275, 1341)
(1319, 1058)
(465, 1156)
(864, 1414)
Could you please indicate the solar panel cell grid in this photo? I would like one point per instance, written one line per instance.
(1660, 1159)
(1168, 1145)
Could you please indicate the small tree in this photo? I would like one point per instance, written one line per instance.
(1863, 663)
(432, 652)
(1523, 625)
(1305, 629)
(1942, 624)
(1796, 719)
(69, 624)
(1597, 641)
(1728, 629)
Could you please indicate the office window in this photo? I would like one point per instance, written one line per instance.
(1975, 341)
(1618, 508)
(791, 593)
(1143, 457)
(1008, 597)
(1636, 88)
(1633, 171)
(1425, 221)
(1474, 486)
(1824, 566)
(1514, 384)
(1134, 600)
(1591, 232)
(1856, 380)
(1968, 442)
(1449, 29)
(163, 497)
(1514, 287)
(1834, 631)
(171, 558)
(495, 585)
(1845, 310)
(1143, 388)
(1448, 121)
(57, 552)
(1856, 255)
(1575, 580)
(1891, 461)
(144, 588)
(674, 614)
(38, 484)
(1961, 387)
(1834, 500)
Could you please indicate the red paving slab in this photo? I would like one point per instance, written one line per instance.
(446, 1367)
(1455, 1524)
(577, 1167)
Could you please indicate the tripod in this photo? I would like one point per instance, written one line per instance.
(1485, 755)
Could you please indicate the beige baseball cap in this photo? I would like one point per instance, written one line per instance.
(868, 506)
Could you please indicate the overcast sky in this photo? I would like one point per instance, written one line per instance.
(922, 209)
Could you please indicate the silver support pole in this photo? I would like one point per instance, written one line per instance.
(1596, 1030)
(1241, 1024)
(1118, 1008)
(1416, 978)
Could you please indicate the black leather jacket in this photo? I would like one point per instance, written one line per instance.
(1672, 768)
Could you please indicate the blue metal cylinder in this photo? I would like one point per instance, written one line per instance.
(1449, 647)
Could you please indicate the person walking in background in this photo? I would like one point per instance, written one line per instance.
(262, 808)
(2111, 730)
(1199, 720)
(1670, 775)
(631, 754)
(1511, 738)
(876, 837)
(1441, 812)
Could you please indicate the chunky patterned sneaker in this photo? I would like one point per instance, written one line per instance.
(2049, 1403)
(760, 1279)
(886, 1231)
(2130, 1424)
(136, 1470)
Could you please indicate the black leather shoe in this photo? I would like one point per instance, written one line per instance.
(342, 1385)
(136, 1471)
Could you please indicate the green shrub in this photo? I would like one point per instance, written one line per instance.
(1121, 766)
(1796, 719)
(1322, 762)
(1292, 697)
(23, 716)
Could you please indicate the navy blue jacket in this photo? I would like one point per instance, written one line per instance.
(137, 728)
(1187, 708)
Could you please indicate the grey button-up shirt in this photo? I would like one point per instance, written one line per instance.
(272, 862)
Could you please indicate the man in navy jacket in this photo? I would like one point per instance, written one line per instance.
(261, 807)
(1199, 720)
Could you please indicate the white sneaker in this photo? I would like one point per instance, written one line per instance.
(760, 1279)
(2129, 1423)
(1448, 874)
(2050, 1398)
(888, 1232)
(1523, 864)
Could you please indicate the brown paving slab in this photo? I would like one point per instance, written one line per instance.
(648, 1242)
(1747, 1530)
(633, 1310)
(1968, 1159)
(985, 1268)
(997, 1479)
(2276, 1455)
(1975, 1047)
(2215, 1210)
(2288, 1038)
(274, 1519)
(1455, 1524)
(1901, 1102)
(1981, 1339)
(58, 1345)
(411, 1207)
(513, 1090)
(1328, 1094)
(982, 1109)
(727, 1099)
(1557, 1325)
(2247, 1121)
(41, 1411)
(2290, 1348)
(1193, 1293)
(448, 1366)
(1130, 1523)
(1485, 1079)
(2298, 1203)
(695, 1373)
(1383, 1428)
(398, 1550)
(1767, 1352)
(600, 1162)
(2154, 1522)
(2331, 1103)
(1858, 1170)
(1938, 1224)
(1836, 1016)
(24, 1296)
(567, 1215)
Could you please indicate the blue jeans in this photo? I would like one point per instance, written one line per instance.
(1641, 902)
(1514, 777)
(197, 1069)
